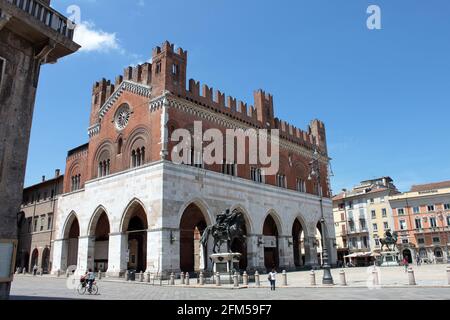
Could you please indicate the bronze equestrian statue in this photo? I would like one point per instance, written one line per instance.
(389, 239)
(229, 227)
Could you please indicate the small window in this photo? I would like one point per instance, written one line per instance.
(384, 212)
(35, 224)
(447, 206)
(374, 214)
(401, 212)
(402, 225)
(158, 68)
(386, 226)
(433, 222)
(175, 69)
(375, 227)
(405, 241)
(431, 208)
(421, 241)
(2, 70)
(119, 146)
(49, 222)
(301, 187)
(42, 223)
(372, 200)
(416, 210)
(436, 239)
(418, 223)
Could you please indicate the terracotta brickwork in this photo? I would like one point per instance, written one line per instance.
(113, 147)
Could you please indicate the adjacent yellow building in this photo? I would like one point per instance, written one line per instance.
(362, 215)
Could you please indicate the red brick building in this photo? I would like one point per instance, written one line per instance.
(125, 177)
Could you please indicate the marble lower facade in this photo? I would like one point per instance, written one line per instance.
(150, 219)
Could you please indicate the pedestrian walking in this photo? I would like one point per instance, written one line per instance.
(418, 260)
(273, 279)
(35, 269)
(405, 264)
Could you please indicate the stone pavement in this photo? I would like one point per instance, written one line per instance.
(431, 280)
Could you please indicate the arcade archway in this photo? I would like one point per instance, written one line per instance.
(298, 236)
(192, 225)
(46, 260)
(270, 232)
(73, 235)
(100, 229)
(135, 225)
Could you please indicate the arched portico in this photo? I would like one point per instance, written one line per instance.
(98, 233)
(271, 231)
(135, 227)
(192, 225)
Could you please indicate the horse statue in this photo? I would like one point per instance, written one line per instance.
(389, 239)
(229, 226)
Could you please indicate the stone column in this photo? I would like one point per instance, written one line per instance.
(311, 252)
(257, 252)
(117, 254)
(155, 250)
(285, 252)
(86, 248)
(60, 248)
(170, 250)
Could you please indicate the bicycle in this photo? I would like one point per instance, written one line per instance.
(84, 287)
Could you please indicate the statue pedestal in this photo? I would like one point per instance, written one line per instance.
(389, 259)
(224, 262)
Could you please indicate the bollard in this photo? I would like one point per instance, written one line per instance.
(127, 276)
(202, 278)
(284, 274)
(375, 279)
(41, 272)
(257, 280)
(187, 278)
(99, 275)
(182, 278)
(411, 278)
(24, 271)
(218, 279)
(58, 273)
(448, 275)
(148, 277)
(342, 277)
(245, 278)
(141, 277)
(236, 280)
(312, 276)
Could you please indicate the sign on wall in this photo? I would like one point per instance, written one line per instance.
(270, 242)
(8, 250)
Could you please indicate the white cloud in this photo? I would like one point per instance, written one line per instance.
(91, 39)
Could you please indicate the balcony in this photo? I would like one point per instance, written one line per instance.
(40, 24)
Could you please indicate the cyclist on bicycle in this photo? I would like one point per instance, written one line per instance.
(90, 277)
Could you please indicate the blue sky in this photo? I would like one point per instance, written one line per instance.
(383, 94)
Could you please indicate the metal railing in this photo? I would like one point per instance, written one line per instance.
(46, 15)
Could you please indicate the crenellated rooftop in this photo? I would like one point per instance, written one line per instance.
(259, 115)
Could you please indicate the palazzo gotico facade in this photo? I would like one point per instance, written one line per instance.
(127, 205)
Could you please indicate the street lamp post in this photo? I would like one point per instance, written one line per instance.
(315, 173)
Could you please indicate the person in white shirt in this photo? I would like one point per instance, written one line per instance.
(272, 279)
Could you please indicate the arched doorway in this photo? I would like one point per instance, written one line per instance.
(298, 244)
(34, 259)
(72, 251)
(438, 255)
(136, 227)
(270, 232)
(407, 254)
(240, 246)
(46, 261)
(192, 225)
(100, 230)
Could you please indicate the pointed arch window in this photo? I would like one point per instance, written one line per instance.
(138, 157)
